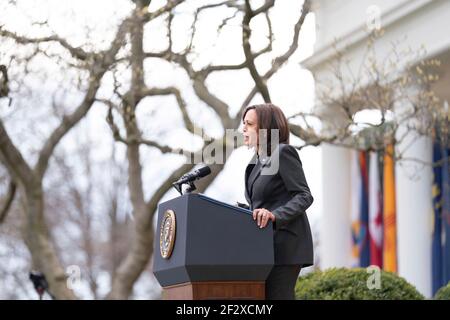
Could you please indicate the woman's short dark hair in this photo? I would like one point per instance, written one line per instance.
(270, 117)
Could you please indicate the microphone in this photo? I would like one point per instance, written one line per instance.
(197, 174)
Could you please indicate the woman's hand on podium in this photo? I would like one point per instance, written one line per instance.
(262, 216)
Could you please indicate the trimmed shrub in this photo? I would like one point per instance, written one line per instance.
(354, 284)
(443, 293)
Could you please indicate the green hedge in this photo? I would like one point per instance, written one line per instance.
(443, 293)
(352, 284)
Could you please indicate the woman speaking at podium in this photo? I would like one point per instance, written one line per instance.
(276, 190)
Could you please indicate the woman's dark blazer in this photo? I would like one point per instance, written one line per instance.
(280, 186)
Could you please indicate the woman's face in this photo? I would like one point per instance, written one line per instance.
(250, 130)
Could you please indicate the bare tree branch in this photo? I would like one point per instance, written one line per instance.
(279, 61)
(250, 60)
(76, 52)
(8, 201)
(202, 91)
(228, 3)
(67, 124)
(133, 139)
(12, 158)
(4, 87)
(189, 124)
(397, 83)
(70, 121)
(148, 16)
(264, 8)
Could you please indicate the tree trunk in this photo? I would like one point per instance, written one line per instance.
(38, 240)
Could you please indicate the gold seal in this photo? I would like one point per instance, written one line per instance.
(167, 234)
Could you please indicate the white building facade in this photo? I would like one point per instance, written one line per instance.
(344, 23)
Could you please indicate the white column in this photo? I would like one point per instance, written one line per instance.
(335, 235)
(414, 214)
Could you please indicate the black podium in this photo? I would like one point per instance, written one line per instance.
(207, 249)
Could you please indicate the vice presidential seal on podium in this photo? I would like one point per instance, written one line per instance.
(167, 234)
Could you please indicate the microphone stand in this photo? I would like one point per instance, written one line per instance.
(191, 187)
